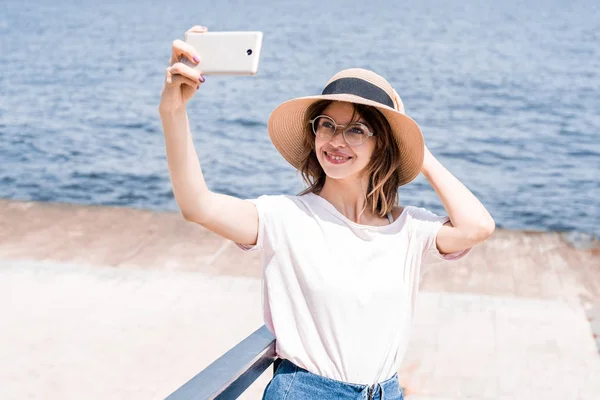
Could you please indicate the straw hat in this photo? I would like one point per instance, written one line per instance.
(355, 85)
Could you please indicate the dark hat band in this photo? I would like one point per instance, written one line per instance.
(361, 88)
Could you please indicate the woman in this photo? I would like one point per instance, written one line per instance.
(341, 260)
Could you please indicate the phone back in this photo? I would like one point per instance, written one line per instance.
(226, 53)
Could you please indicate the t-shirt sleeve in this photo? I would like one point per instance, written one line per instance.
(425, 226)
(266, 206)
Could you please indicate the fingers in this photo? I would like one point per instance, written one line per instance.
(184, 58)
(398, 105)
(180, 50)
(178, 80)
(198, 28)
(184, 70)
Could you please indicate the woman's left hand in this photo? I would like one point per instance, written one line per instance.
(470, 223)
(426, 159)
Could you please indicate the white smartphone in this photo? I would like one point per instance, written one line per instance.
(226, 53)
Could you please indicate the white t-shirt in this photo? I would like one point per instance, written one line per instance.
(339, 296)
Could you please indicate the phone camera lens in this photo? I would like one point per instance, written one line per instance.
(249, 51)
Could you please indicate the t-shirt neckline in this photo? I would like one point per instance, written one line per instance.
(331, 208)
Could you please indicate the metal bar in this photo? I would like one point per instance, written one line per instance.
(232, 373)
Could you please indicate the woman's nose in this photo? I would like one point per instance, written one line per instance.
(338, 137)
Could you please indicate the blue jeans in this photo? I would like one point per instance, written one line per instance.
(293, 382)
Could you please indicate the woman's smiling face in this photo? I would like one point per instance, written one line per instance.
(353, 158)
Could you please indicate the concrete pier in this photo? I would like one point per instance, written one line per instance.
(103, 302)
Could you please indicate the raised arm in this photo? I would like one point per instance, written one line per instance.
(470, 222)
(227, 216)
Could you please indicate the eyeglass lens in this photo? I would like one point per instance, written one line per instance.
(355, 133)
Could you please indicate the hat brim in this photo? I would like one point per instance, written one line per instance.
(287, 132)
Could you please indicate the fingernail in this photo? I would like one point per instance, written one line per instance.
(197, 87)
(196, 59)
(201, 79)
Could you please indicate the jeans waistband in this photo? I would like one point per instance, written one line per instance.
(367, 392)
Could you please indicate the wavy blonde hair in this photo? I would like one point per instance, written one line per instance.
(382, 191)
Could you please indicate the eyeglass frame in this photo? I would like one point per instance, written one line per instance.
(369, 133)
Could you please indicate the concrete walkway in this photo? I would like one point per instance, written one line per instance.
(100, 302)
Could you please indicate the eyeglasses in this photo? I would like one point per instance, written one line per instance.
(355, 133)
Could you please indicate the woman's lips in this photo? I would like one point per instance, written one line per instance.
(339, 159)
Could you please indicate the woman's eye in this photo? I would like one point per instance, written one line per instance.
(357, 130)
(327, 124)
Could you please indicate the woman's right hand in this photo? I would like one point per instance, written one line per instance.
(182, 81)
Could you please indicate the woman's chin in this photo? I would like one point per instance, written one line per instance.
(338, 173)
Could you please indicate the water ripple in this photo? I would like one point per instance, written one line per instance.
(506, 96)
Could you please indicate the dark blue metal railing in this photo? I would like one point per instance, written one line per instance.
(232, 373)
